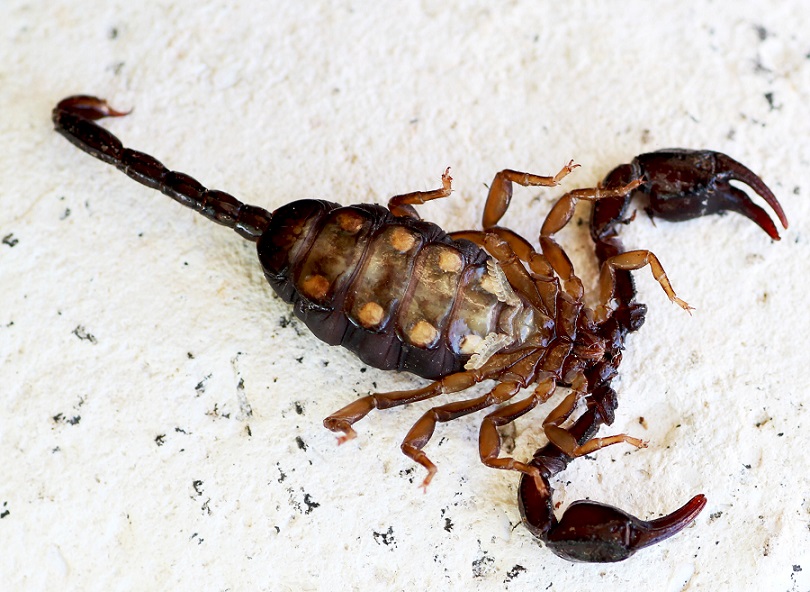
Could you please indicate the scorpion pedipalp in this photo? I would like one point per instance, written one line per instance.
(594, 532)
(682, 184)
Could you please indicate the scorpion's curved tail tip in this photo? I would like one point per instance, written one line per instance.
(87, 107)
(594, 532)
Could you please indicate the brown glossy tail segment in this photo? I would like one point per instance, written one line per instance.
(74, 118)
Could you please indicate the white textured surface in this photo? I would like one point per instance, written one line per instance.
(356, 102)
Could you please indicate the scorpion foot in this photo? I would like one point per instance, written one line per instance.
(338, 425)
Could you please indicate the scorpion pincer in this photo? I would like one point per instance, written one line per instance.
(463, 307)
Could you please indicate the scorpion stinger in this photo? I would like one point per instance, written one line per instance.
(73, 117)
(473, 305)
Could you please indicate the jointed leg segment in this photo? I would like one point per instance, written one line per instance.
(342, 420)
(402, 205)
(422, 431)
(629, 261)
(500, 192)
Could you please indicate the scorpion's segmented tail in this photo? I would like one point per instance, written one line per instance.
(74, 118)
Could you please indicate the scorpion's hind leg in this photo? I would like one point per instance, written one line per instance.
(514, 372)
(489, 440)
(342, 420)
(422, 431)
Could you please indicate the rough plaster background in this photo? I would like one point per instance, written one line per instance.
(135, 336)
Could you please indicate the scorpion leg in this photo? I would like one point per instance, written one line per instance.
(522, 248)
(489, 440)
(342, 420)
(422, 431)
(544, 281)
(500, 192)
(628, 261)
(512, 379)
(559, 215)
(402, 205)
(567, 442)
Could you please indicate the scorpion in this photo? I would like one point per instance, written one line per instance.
(463, 307)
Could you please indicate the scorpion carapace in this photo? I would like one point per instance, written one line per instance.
(469, 306)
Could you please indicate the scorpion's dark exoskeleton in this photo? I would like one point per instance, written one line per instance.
(469, 306)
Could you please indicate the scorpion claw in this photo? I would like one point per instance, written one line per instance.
(594, 532)
(682, 184)
(739, 172)
(590, 531)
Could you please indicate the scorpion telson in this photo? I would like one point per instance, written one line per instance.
(474, 305)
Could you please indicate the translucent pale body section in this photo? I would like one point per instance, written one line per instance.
(436, 273)
(381, 284)
(334, 255)
(476, 313)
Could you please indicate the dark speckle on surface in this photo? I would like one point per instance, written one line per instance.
(482, 565)
(83, 334)
(311, 505)
(513, 573)
(385, 538)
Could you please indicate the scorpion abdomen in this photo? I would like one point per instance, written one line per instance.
(397, 291)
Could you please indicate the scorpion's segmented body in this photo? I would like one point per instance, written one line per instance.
(397, 291)
(473, 305)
